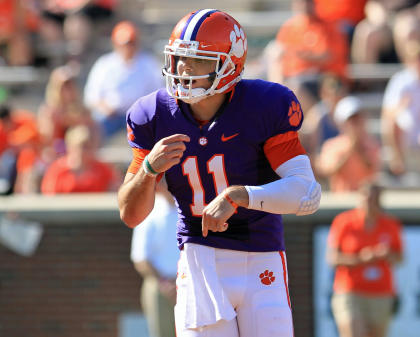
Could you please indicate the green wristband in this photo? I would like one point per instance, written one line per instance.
(149, 167)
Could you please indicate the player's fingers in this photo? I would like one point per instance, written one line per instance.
(223, 226)
(174, 146)
(220, 226)
(179, 137)
(173, 161)
(176, 154)
(209, 223)
(216, 225)
(204, 227)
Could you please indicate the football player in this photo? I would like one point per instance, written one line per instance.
(230, 154)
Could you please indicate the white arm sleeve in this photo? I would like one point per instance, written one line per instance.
(296, 193)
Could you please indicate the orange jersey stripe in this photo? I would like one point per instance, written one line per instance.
(138, 157)
(286, 284)
(281, 148)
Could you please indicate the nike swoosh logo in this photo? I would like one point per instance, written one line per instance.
(225, 139)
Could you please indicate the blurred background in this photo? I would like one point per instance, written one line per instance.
(68, 71)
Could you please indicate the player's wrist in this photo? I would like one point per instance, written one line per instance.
(148, 169)
(230, 201)
(237, 195)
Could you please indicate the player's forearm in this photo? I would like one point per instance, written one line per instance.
(296, 193)
(136, 198)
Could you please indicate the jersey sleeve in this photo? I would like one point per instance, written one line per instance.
(140, 130)
(283, 122)
(141, 119)
(141, 123)
(137, 161)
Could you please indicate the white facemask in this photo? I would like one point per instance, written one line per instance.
(190, 96)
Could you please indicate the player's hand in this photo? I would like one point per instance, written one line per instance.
(167, 152)
(215, 215)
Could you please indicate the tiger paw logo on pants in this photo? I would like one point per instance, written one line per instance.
(267, 277)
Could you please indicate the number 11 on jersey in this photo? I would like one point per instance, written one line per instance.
(215, 167)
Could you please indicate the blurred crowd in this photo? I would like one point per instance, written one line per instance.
(54, 147)
(313, 53)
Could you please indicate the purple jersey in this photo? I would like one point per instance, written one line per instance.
(226, 151)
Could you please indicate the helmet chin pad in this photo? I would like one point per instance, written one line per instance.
(190, 95)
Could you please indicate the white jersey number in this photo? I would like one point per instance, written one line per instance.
(216, 167)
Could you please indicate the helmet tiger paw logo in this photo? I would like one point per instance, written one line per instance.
(295, 114)
(239, 42)
(267, 277)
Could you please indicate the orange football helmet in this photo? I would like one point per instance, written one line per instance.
(207, 34)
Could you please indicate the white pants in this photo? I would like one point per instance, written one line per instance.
(253, 299)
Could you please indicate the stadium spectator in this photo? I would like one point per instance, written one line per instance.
(400, 114)
(363, 245)
(19, 151)
(406, 28)
(377, 38)
(155, 255)
(79, 170)
(351, 158)
(18, 20)
(119, 78)
(73, 21)
(62, 108)
(319, 124)
(344, 13)
(309, 47)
